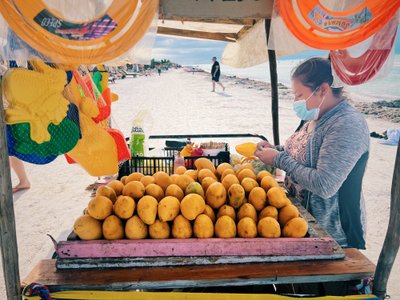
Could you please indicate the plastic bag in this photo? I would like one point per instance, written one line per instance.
(393, 135)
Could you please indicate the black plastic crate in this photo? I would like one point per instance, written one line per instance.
(151, 165)
(172, 151)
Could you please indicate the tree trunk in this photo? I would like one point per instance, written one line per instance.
(8, 236)
(392, 239)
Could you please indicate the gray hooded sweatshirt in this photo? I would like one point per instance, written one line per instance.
(336, 156)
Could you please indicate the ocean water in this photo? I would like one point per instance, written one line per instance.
(387, 88)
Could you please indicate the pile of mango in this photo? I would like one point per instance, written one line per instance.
(203, 203)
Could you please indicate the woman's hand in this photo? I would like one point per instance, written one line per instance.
(267, 155)
(263, 145)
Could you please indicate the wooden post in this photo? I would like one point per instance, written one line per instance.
(274, 87)
(392, 239)
(8, 236)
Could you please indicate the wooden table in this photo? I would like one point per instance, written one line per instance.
(354, 266)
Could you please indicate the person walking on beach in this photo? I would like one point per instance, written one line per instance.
(215, 73)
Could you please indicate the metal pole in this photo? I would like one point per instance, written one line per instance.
(392, 239)
(8, 236)
(274, 86)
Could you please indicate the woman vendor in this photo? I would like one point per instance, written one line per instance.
(325, 160)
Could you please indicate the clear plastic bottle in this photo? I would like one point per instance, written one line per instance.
(178, 161)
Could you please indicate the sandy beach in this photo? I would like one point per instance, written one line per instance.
(182, 103)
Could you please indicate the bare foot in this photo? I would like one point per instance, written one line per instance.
(21, 187)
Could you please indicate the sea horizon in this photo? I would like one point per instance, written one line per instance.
(386, 88)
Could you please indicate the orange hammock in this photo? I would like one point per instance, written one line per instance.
(331, 30)
(95, 41)
(358, 70)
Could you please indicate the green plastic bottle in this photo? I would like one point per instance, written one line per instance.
(137, 140)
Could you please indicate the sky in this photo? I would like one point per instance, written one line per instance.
(187, 51)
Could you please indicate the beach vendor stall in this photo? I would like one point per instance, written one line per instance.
(194, 216)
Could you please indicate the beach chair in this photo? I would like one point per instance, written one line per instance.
(133, 74)
(111, 78)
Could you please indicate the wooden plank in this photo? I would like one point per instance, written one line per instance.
(392, 240)
(243, 31)
(318, 243)
(228, 21)
(220, 9)
(172, 252)
(217, 36)
(144, 262)
(354, 266)
(274, 87)
(196, 247)
(8, 236)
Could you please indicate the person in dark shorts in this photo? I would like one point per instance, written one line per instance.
(215, 73)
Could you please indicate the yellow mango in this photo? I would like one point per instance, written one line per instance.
(246, 149)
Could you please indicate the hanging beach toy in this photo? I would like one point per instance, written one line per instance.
(99, 40)
(96, 151)
(89, 89)
(64, 138)
(32, 157)
(354, 70)
(321, 28)
(35, 97)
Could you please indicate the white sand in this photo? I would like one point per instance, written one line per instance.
(182, 103)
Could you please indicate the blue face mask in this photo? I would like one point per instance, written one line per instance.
(300, 107)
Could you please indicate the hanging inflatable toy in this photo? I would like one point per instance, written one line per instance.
(93, 41)
(358, 70)
(96, 151)
(330, 30)
(35, 97)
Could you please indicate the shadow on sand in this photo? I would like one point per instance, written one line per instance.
(223, 94)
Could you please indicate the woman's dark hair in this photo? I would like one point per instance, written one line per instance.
(314, 72)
